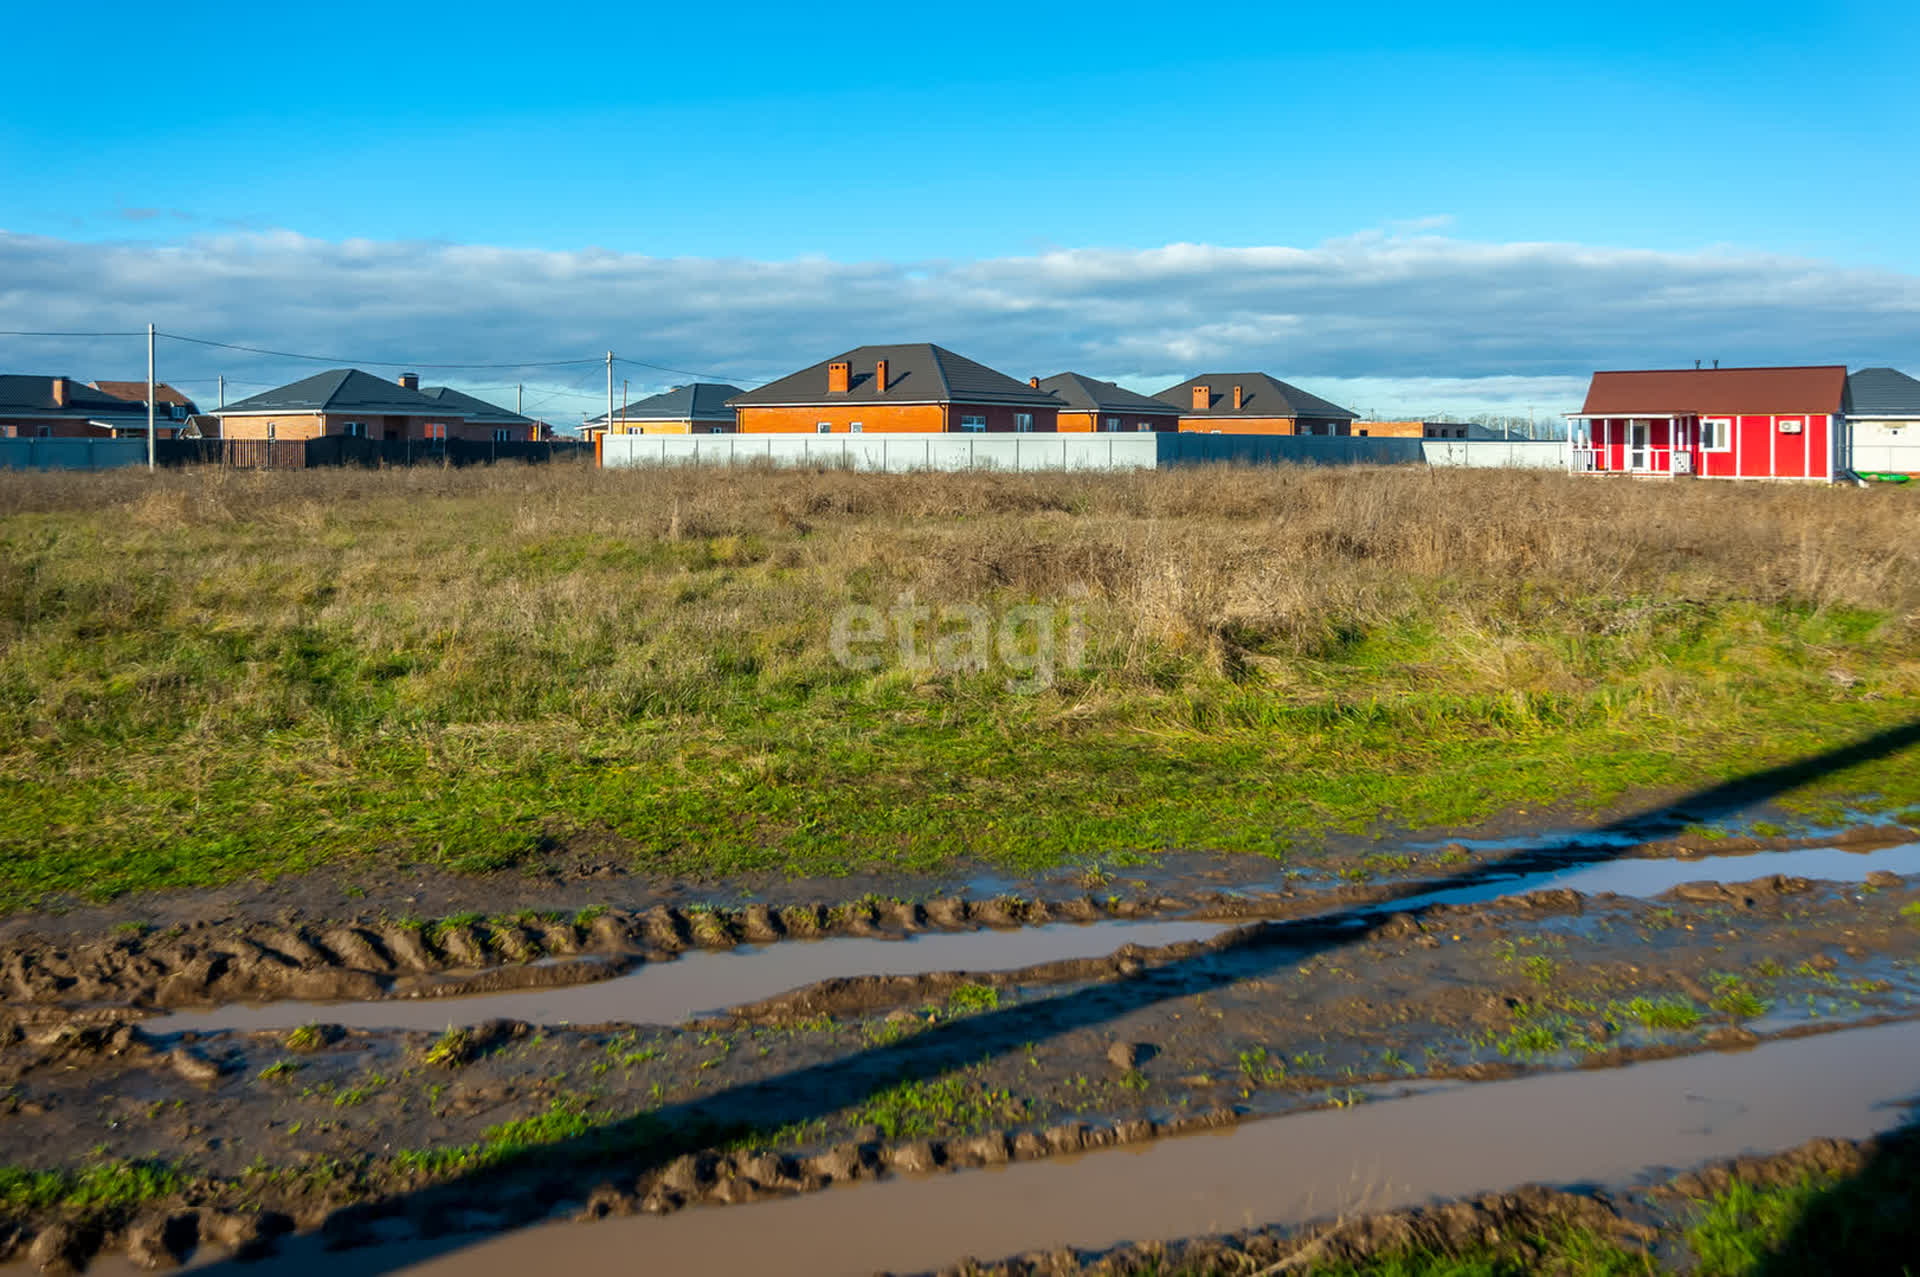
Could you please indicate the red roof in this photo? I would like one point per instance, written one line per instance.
(136, 392)
(1717, 391)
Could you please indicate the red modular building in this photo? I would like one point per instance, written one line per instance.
(1714, 423)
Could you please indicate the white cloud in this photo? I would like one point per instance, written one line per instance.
(1399, 321)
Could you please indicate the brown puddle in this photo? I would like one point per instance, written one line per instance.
(703, 981)
(1644, 877)
(1608, 1127)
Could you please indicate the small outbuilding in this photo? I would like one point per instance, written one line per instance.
(1883, 422)
(1714, 423)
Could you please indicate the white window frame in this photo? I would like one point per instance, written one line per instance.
(855, 428)
(1113, 425)
(973, 424)
(1716, 434)
(1023, 423)
(823, 427)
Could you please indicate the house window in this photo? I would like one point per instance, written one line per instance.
(1143, 425)
(1023, 422)
(501, 434)
(855, 427)
(1113, 423)
(823, 427)
(353, 429)
(436, 430)
(1363, 434)
(973, 423)
(1716, 433)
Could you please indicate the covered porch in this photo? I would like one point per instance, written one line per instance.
(1656, 444)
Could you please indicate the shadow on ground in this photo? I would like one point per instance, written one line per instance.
(622, 1150)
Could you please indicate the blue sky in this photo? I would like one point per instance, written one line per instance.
(923, 138)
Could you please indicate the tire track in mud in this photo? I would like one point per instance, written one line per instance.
(210, 963)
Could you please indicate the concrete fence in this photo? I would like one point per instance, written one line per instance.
(899, 452)
(71, 454)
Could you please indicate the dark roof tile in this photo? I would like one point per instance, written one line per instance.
(1261, 396)
(919, 372)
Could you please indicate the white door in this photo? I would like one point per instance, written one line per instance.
(1636, 445)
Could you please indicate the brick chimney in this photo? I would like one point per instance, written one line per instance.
(839, 374)
(880, 378)
(1236, 399)
(1202, 398)
(410, 380)
(1034, 382)
(59, 392)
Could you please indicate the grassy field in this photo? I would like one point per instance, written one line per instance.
(206, 675)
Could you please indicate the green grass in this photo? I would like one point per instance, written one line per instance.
(1656, 1013)
(110, 1184)
(946, 1106)
(200, 688)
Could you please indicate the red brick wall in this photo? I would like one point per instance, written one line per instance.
(889, 418)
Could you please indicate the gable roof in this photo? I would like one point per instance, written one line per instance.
(1086, 394)
(698, 401)
(1732, 391)
(473, 408)
(1882, 392)
(340, 390)
(1260, 396)
(920, 372)
(136, 392)
(26, 395)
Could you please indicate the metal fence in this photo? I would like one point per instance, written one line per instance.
(899, 452)
(71, 454)
(342, 450)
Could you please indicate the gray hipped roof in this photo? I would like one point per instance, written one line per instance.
(1882, 392)
(1085, 394)
(341, 390)
(473, 409)
(23, 395)
(1260, 396)
(698, 401)
(920, 372)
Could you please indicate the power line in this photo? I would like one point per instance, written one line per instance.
(22, 333)
(379, 363)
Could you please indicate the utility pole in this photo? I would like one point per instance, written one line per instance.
(609, 392)
(149, 396)
(223, 390)
(623, 405)
(519, 399)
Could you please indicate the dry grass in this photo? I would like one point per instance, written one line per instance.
(216, 640)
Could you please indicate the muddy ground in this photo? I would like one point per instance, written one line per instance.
(1308, 1003)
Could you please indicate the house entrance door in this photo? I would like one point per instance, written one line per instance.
(1637, 445)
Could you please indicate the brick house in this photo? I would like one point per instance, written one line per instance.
(1090, 406)
(62, 408)
(1252, 403)
(173, 411)
(911, 388)
(346, 401)
(696, 409)
(1422, 430)
(482, 420)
